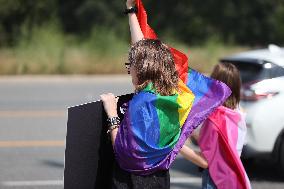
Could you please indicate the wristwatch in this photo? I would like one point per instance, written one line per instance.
(113, 121)
(131, 10)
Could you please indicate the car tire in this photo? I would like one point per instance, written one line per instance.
(281, 155)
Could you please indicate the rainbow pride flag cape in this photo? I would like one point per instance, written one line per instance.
(221, 141)
(156, 127)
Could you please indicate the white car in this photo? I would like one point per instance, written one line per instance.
(262, 98)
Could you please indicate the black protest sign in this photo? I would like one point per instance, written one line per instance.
(89, 155)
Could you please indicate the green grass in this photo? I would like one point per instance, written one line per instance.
(49, 51)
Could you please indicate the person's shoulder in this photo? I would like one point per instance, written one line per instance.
(141, 98)
(142, 106)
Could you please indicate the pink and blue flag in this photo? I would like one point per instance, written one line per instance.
(221, 141)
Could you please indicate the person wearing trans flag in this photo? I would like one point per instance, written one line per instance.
(222, 137)
(170, 102)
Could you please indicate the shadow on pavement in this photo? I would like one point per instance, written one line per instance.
(53, 163)
(257, 170)
(185, 166)
(263, 170)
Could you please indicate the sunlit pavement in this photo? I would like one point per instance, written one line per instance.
(33, 128)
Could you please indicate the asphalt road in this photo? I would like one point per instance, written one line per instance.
(33, 115)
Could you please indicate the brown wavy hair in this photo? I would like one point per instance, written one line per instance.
(154, 63)
(230, 75)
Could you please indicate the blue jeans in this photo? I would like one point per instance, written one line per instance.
(207, 182)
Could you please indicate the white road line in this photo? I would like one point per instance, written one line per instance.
(186, 180)
(174, 180)
(34, 183)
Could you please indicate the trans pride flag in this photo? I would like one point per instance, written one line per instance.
(221, 141)
(156, 127)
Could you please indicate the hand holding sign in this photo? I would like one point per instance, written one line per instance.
(110, 104)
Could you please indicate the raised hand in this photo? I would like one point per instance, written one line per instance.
(130, 3)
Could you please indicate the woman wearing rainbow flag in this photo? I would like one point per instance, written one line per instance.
(171, 100)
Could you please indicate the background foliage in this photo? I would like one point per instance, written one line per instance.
(254, 22)
(54, 36)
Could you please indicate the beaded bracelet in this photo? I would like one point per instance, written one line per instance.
(113, 121)
(112, 128)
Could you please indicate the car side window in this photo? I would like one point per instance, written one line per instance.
(277, 71)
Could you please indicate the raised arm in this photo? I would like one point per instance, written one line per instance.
(135, 30)
(193, 156)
